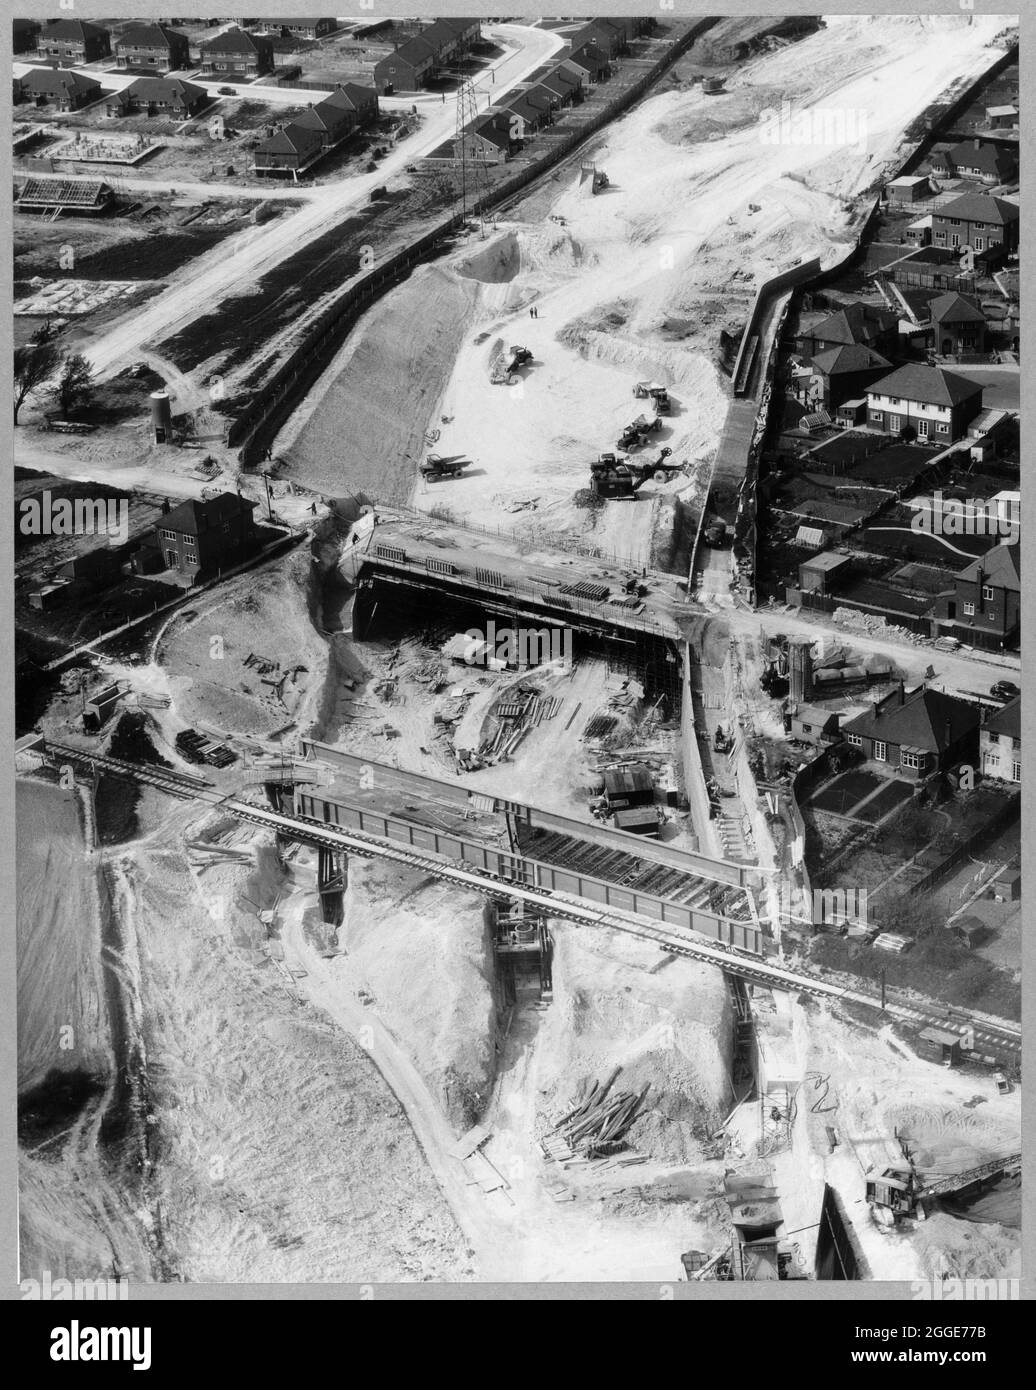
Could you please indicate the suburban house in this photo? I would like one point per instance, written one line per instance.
(152, 46)
(237, 54)
(1000, 743)
(918, 734)
(867, 325)
(489, 138)
(442, 38)
(159, 96)
(290, 151)
(407, 69)
(546, 102)
(200, 538)
(981, 159)
(566, 83)
(330, 121)
(468, 32)
(72, 42)
(23, 35)
(525, 118)
(295, 28)
(842, 374)
(983, 608)
(67, 91)
(593, 60)
(939, 405)
(608, 35)
(956, 325)
(361, 102)
(977, 220)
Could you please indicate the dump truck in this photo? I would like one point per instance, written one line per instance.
(504, 371)
(621, 479)
(659, 395)
(435, 467)
(635, 435)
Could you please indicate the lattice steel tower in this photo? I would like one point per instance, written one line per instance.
(474, 170)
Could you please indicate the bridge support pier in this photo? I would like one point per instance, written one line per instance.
(332, 876)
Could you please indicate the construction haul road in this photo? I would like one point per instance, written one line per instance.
(733, 962)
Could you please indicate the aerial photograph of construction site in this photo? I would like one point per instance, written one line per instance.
(517, 575)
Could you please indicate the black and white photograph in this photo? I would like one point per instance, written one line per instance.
(516, 656)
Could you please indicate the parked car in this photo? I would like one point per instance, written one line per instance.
(1004, 690)
(227, 91)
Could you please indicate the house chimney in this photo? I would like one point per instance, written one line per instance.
(946, 734)
(978, 143)
(902, 693)
(166, 506)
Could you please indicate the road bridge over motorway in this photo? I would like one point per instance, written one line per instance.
(482, 876)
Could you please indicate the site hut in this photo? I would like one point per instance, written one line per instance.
(294, 27)
(843, 373)
(1002, 117)
(916, 735)
(984, 607)
(938, 404)
(988, 225)
(152, 46)
(956, 325)
(981, 159)
(949, 1044)
(65, 91)
(198, 539)
(866, 325)
(159, 96)
(24, 33)
(626, 787)
(99, 708)
(292, 150)
(237, 54)
(1000, 743)
(638, 820)
(72, 42)
(409, 68)
(910, 188)
(593, 61)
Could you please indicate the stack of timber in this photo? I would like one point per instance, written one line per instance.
(597, 1126)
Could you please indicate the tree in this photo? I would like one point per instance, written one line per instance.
(75, 384)
(34, 364)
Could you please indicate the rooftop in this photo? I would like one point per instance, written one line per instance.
(1001, 566)
(980, 207)
(1007, 721)
(917, 382)
(925, 719)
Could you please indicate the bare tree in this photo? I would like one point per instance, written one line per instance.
(34, 364)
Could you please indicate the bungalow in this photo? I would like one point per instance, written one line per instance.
(842, 374)
(72, 42)
(977, 220)
(609, 35)
(159, 96)
(362, 102)
(867, 325)
(939, 405)
(66, 91)
(201, 538)
(23, 35)
(956, 325)
(1000, 743)
(407, 69)
(152, 46)
(593, 60)
(918, 734)
(291, 151)
(980, 159)
(983, 608)
(296, 28)
(237, 54)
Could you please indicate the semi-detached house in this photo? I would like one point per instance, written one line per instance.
(1000, 743)
(939, 405)
(986, 224)
(152, 46)
(72, 42)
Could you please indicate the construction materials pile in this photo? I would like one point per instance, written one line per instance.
(597, 1127)
(519, 711)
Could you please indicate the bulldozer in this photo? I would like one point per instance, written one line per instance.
(635, 435)
(436, 468)
(622, 479)
(658, 394)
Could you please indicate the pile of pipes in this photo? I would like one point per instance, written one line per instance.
(598, 1125)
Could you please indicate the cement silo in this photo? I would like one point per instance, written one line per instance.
(161, 417)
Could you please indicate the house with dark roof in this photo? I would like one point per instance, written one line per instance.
(152, 46)
(489, 138)
(593, 60)
(198, 539)
(544, 100)
(609, 35)
(916, 735)
(289, 151)
(407, 69)
(956, 325)
(566, 84)
(331, 121)
(294, 27)
(441, 37)
(983, 609)
(842, 374)
(988, 225)
(24, 33)
(519, 109)
(1000, 743)
(65, 91)
(938, 404)
(72, 42)
(866, 325)
(159, 96)
(360, 102)
(468, 32)
(237, 54)
(981, 159)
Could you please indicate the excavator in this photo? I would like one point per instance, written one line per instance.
(622, 479)
(902, 1193)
